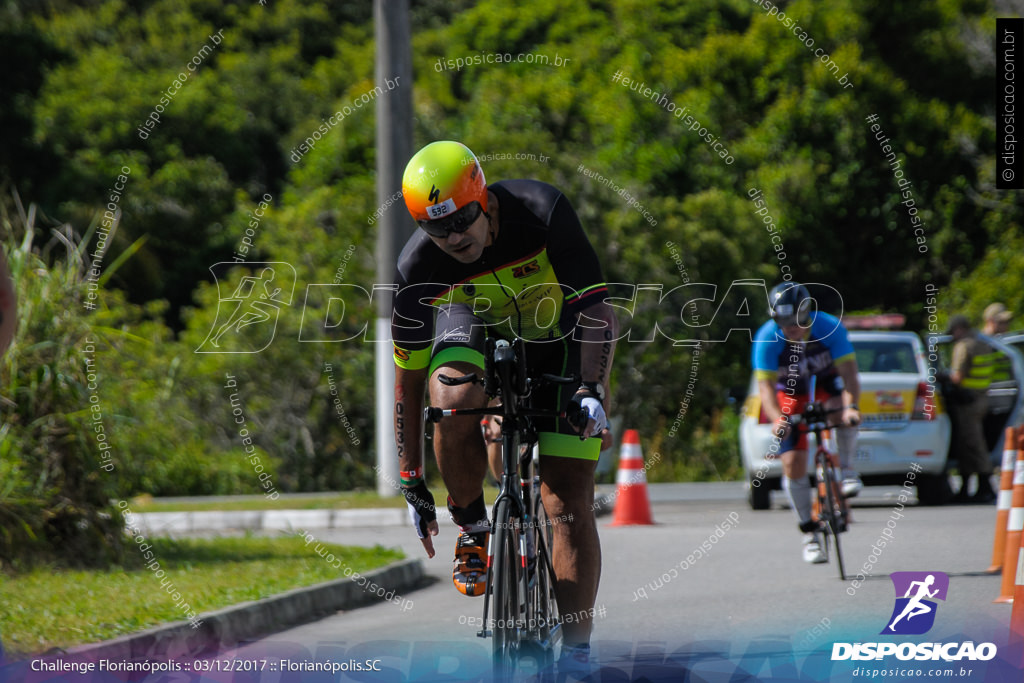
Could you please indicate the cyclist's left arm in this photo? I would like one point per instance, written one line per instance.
(851, 390)
(838, 341)
(597, 352)
(578, 271)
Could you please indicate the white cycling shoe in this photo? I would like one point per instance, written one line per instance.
(574, 661)
(813, 554)
(851, 484)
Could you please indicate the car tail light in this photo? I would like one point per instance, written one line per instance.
(924, 404)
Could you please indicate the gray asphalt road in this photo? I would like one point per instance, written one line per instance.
(680, 587)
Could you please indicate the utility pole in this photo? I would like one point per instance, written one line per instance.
(394, 148)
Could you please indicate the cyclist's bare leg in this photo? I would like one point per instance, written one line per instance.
(492, 436)
(845, 437)
(458, 443)
(494, 458)
(794, 463)
(568, 492)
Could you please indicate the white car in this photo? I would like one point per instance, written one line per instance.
(903, 422)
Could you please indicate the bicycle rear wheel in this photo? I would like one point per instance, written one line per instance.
(505, 579)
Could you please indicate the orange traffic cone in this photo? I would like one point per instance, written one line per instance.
(1017, 616)
(1005, 498)
(1014, 525)
(632, 505)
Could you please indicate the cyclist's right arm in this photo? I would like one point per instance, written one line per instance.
(771, 407)
(412, 328)
(765, 359)
(769, 399)
(409, 390)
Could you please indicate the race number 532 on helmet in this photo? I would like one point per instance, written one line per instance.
(444, 188)
(790, 304)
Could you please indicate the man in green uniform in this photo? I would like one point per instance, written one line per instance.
(970, 373)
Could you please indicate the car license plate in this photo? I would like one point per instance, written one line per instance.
(863, 454)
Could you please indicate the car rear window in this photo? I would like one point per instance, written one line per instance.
(884, 356)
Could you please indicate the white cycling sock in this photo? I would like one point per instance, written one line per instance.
(799, 493)
(846, 444)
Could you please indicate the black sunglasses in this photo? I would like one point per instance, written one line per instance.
(789, 320)
(457, 222)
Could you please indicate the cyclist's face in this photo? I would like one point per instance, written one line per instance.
(468, 246)
(794, 332)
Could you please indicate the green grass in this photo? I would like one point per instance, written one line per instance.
(42, 609)
(350, 500)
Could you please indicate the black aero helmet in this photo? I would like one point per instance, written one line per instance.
(790, 303)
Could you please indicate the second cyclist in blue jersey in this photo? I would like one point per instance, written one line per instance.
(796, 344)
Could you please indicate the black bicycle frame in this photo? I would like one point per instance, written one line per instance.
(505, 374)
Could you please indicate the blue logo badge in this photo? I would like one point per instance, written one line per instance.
(914, 612)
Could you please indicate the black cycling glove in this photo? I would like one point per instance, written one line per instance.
(421, 507)
(584, 407)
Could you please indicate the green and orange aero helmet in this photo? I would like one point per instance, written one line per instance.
(441, 179)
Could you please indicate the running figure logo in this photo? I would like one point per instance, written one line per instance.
(914, 613)
(256, 301)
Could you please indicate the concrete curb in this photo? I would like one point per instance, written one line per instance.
(225, 628)
(278, 520)
(157, 523)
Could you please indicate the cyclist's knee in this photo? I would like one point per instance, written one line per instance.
(569, 517)
(794, 464)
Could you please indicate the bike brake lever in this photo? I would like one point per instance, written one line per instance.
(455, 381)
(556, 379)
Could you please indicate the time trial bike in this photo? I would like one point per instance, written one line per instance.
(520, 610)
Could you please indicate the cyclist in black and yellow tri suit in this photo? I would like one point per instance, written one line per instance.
(506, 260)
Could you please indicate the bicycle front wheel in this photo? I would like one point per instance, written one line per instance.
(505, 586)
(544, 606)
(821, 513)
(836, 515)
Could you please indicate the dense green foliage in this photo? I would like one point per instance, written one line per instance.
(54, 491)
(91, 74)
